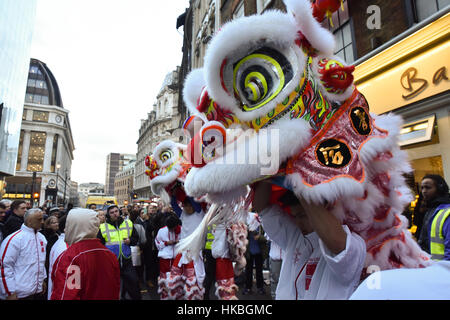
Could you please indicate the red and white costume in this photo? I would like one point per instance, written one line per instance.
(226, 288)
(309, 269)
(189, 272)
(166, 254)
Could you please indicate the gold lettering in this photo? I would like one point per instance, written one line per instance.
(338, 158)
(409, 76)
(409, 79)
(329, 153)
(439, 75)
(362, 119)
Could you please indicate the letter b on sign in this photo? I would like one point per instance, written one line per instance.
(73, 278)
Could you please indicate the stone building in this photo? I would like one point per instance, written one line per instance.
(46, 146)
(115, 162)
(123, 184)
(161, 122)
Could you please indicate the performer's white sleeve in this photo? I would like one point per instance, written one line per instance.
(348, 262)
(161, 238)
(278, 225)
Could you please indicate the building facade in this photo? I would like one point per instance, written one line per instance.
(74, 197)
(115, 162)
(403, 67)
(46, 145)
(160, 125)
(91, 187)
(85, 189)
(16, 30)
(123, 185)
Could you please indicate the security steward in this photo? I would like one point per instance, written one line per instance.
(118, 235)
(440, 233)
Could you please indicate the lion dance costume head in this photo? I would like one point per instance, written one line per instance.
(167, 170)
(271, 82)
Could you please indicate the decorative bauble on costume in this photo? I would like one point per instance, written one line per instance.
(272, 81)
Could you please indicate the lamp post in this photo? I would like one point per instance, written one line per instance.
(55, 200)
(33, 182)
(65, 186)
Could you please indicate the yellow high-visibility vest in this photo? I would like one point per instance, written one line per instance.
(209, 238)
(437, 247)
(114, 238)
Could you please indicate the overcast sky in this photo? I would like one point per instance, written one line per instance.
(109, 58)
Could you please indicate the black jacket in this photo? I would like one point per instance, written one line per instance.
(51, 237)
(13, 224)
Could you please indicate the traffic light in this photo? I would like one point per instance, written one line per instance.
(125, 202)
(36, 195)
(134, 195)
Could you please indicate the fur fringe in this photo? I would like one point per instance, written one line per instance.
(192, 245)
(226, 289)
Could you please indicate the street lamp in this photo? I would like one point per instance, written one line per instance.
(55, 200)
(65, 186)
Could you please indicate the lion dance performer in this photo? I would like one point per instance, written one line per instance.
(271, 81)
(179, 278)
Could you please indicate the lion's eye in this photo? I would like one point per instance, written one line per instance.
(166, 155)
(259, 77)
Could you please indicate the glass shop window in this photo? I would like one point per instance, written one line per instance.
(19, 154)
(426, 8)
(36, 151)
(341, 28)
(40, 116)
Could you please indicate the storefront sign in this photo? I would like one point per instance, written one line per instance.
(415, 85)
(410, 70)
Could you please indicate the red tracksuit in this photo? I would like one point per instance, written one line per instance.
(87, 270)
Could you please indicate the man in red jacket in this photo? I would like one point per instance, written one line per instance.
(87, 270)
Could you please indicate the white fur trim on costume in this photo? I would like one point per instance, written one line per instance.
(330, 191)
(159, 182)
(193, 86)
(390, 123)
(319, 37)
(228, 173)
(228, 197)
